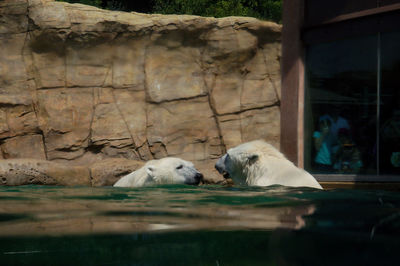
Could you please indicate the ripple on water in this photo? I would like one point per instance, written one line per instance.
(211, 223)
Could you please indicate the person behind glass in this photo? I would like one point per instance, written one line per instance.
(337, 122)
(347, 157)
(321, 138)
(390, 143)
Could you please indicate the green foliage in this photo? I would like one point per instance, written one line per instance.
(262, 9)
(271, 9)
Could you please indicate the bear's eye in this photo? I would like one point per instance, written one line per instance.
(180, 166)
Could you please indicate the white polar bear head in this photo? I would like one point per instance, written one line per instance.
(168, 170)
(258, 163)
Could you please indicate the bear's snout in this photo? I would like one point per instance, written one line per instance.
(220, 165)
(198, 178)
(220, 168)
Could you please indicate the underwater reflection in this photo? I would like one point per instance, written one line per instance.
(64, 211)
(206, 225)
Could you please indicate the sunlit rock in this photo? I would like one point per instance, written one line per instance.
(79, 84)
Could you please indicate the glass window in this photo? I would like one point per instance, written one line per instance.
(389, 131)
(341, 107)
(320, 11)
(387, 2)
(352, 106)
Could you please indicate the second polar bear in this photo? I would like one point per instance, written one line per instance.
(168, 170)
(258, 163)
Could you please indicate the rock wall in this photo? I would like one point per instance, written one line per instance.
(79, 84)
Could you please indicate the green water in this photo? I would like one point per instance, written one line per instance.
(206, 225)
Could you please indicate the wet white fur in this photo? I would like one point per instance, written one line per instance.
(162, 171)
(258, 163)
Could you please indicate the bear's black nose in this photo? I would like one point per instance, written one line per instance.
(198, 177)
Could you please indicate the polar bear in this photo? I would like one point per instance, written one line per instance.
(168, 170)
(258, 163)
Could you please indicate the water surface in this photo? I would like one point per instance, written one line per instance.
(206, 225)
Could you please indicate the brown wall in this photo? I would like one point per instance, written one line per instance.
(292, 68)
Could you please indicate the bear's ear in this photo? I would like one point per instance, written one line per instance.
(252, 158)
(150, 170)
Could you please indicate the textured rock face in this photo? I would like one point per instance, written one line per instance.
(80, 84)
(41, 172)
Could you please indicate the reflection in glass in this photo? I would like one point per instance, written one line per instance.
(341, 107)
(352, 114)
(389, 131)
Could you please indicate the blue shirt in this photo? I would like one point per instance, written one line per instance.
(324, 154)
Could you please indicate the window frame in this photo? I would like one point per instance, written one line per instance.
(296, 34)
